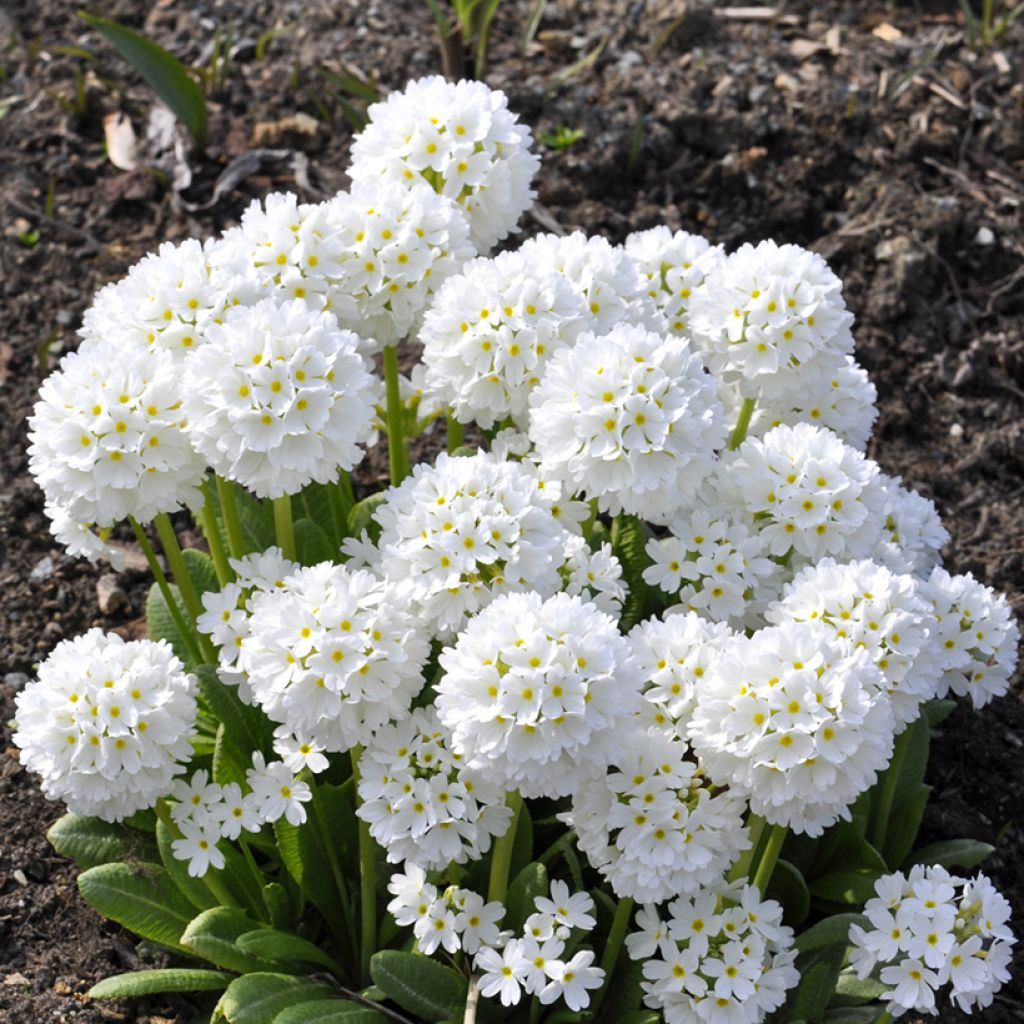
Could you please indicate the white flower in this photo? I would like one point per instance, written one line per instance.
(80, 539)
(570, 910)
(298, 751)
(198, 800)
(107, 724)
(413, 895)
(198, 845)
(277, 792)
(913, 533)
(673, 266)
(536, 693)
(333, 654)
(594, 575)
(794, 720)
(490, 332)
(423, 806)
(237, 811)
(975, 639)
(629, 418)
(572, 981)
(477, 922)
(460, 138)
(502, 973)
(107, 439)
(278, 397)
(456, 534)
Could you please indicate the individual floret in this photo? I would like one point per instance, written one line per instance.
(595, 576)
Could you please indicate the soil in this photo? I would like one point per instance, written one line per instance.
(880, 134)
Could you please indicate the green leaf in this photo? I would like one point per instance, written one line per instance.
(259, 998)
(161, 623)
(788, 887)
(531, 882)
(276, 946)
(228, 763)
(313, 502)
(247, 727)
(641, 1017)
(143, 899)
(213, 935)
(851, 991)
(171, 979)
(312, 545)
(952, 853)
(275, 898)
(257, 520)
(193, 889)
(522, 845)
(361, 516)
(91, 841)
(631, 549)
(904, 824)
(937, 711)
(915, 761)
(331, 1011)
(831, 931)
(818, 973)
(625, 996)
(851, 1015)
(418, 984)
(201, 571)
(164, 74)
(856, 886)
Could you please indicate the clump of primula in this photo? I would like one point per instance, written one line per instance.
(461, 139)
(278, 397)
(629, 418)
(930, 929)
(108, 724)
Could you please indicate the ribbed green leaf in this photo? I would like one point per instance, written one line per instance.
(193, 889)
(331, 1011)
(259, 998)
(361, 516)
(312, 545)
(147, 983)
(161, 623)
(277, 946)
(201, 571)
(818, 973)
(788, 887)
(531, 882)
(418, 984)
(854, 887)
(904, 824)
(247, 727)
(829, 932)
(851, 991)
(91, 841)
(952, 853)
(213, 935)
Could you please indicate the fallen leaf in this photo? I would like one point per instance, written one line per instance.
(122, 146)
(888, 33)
(804, 48)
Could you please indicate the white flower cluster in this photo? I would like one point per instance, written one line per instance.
(652, 825)
(912, 535)
(108, 724)
(714, 964)
(536, 693)
(461, 139)
(422, 805)
(596, 576)
(929, 929)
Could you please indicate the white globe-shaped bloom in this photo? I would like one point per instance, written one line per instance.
(537, 693)
(721, 956)
(490, 332)
(863, 604)
(107, 437)
(165, 301)
(674, 655)
(913, 534)
(629, 418)
(604, 278)
(673, 265)
(461, 139)
(108, 724)
(769, 308)
(421, 802)
(975, 639)
(809, 492)
(652, 827)
(333, 654)
(456, 534)
(797, 722)
(279, 397)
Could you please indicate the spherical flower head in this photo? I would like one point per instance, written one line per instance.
(279, 397)
(863, 604)
(165, 302)
(605, 280)
(651, 825)
(796, 721)
(107, 438)
(461, 139)
(704, 965)
(808, 492)
(537, 693)
(490, 332)
(333, 654)
(674, 655)
(629, 418)
(107, 724)
(769, 308)
(975, 639)
(457, 534)
(673, 265)
(421, 802)
(913, 534)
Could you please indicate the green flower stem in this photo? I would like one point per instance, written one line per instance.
(769, 858)
(188, 637)
(232, 524)
(398, 454)
(742, 424)
(456, 434)
(189, 594)
(217, 888)
(367, 882)
(612, 948)
(741, 869)
(283, 526)
(888, 792)
(501, 858)
(211, 529)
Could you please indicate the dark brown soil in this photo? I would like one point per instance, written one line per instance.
(891, 145)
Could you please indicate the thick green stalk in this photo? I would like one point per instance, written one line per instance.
(890, 780)
(742, 424)
(211, 529)
(741, 869)
(501, 858)
(367, 882)
(232, 524)
(612, 948)
(189, 594)
(398, 453)
(770, 857)
(456, 434)
(283, 526)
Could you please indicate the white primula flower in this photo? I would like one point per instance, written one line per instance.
(413, 895)
(976, 637)
(503, 972)
(795, 721)
(279, 397)
(277, 792)
(460, 138)
(629, 418)
(596, 576)
(198, 845)
(107, 724)
(107, 439)
(333, 654)
(537, 693)
(913, 534)
(80, 540)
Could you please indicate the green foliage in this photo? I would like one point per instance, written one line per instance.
(953, 853)
(312, 545)
(563, 138)
(278, 946)
(90, 841)
(331, 1011)
(418, 984)
(214, 935)
(195, 890)
(201, 571)
(171, 979)
(787, 885)
(162, 626)
(531, 882)
(259, 998)
(246, 726)
(629, 542)
(829, 932)
(361, 516)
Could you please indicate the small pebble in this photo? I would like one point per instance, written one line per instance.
(42, 570)
(15, 680)
(19, 876)
(985, 236)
